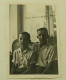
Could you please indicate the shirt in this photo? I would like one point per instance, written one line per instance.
(22, 58)
(45, 54)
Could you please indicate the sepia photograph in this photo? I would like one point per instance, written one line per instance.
(33, 40)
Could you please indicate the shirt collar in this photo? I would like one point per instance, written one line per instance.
(26, 50)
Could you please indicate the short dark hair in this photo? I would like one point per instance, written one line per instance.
(44, 29)
(27, 35)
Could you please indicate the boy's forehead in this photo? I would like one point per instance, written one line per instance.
(22, 35)
(40, 31)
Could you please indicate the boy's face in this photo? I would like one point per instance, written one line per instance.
(23, 40)
(42, 36)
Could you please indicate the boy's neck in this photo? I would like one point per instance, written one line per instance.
(24, 48)
(42, 44)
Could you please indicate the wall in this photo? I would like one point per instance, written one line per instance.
(12, 23)
(34, 19)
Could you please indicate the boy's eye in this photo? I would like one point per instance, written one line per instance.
(20, 38)
(39, 34)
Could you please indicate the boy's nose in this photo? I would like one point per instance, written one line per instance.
(41, 36)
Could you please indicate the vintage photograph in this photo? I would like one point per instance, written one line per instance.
(33, 47)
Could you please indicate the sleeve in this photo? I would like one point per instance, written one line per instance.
(33, 58)
(48, 59)
(51, 55)
(15, 57)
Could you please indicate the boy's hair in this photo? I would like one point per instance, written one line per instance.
(43, 29)
(27, 35)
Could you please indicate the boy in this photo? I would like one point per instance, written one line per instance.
(22, 56)
(45, 52)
